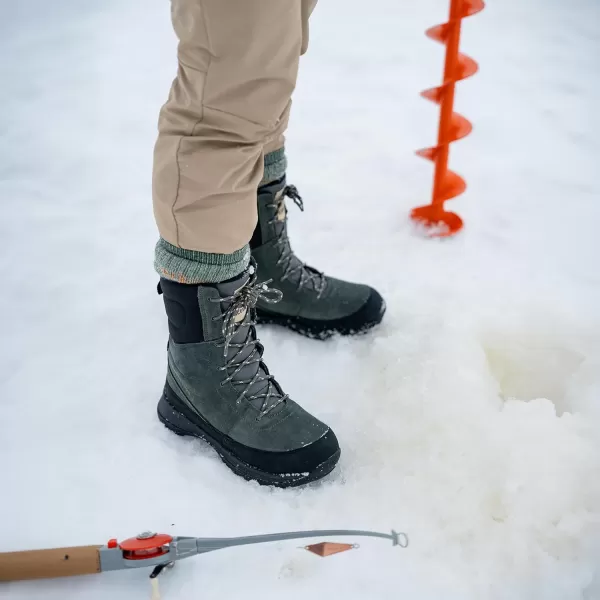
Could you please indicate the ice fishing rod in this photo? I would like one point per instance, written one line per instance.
(158, 550)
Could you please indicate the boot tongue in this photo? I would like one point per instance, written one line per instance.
(244, 332)
(231, 286)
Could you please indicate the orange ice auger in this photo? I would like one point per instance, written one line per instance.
(453, 127)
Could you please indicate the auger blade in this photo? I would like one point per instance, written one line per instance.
(437, 221)
(434, 94)
(467, 67)
(452, 185)
(459, 128)
(428, 153)
(439, 33)
(471, 7)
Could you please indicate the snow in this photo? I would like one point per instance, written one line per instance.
(469, 420)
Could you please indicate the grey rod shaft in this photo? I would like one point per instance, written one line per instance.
(210, 544)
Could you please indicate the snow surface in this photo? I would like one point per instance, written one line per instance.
(470, 419)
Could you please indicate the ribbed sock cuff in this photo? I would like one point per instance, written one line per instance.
(193, 267)
(275, 166)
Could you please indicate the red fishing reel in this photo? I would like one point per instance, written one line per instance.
(144, 546)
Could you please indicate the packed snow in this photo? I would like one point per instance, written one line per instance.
(469, 420)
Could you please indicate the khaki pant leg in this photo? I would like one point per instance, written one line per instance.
(238, 64)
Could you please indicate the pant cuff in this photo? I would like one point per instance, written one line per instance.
(275, 166)
(193, 267)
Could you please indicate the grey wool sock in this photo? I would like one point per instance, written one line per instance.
(275, 166)
(193, 267)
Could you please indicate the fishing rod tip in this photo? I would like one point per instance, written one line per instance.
(399, 539)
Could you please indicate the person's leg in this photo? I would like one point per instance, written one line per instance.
(313, 304)
(238, 62)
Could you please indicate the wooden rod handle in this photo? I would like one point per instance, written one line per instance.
(46, 564)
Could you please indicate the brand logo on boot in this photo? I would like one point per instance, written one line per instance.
(281, 210)
(239, 315)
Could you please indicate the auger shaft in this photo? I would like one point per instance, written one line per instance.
(447, 102)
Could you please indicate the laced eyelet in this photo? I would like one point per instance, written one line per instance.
(243, 302)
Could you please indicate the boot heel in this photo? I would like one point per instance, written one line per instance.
(172, 419)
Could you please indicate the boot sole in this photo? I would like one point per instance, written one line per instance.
(311, 329)
(359, 323)
(182, 426)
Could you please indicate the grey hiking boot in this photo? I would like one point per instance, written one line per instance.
(219, 389)
(313, 304)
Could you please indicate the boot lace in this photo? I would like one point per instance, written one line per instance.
(291, 264)
(241, 313)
